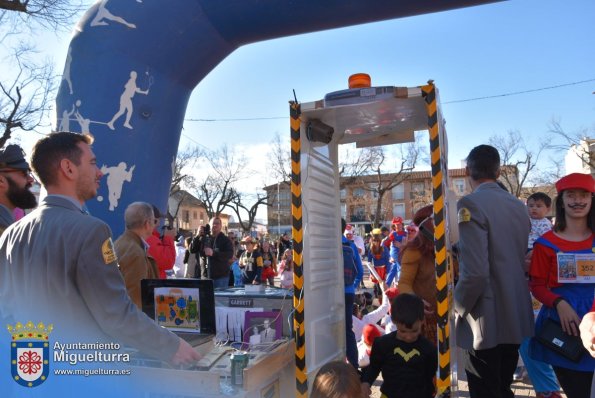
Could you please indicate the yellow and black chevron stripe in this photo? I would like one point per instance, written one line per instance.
(439, 172)
(301, 380)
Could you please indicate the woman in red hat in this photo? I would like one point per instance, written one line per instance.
(554, 279)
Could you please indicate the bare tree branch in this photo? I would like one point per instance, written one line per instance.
(186, 161)
(518, 162)
(279, 160)
(239, 203)
(25, 99)
(26, 89)
(182, 179)
(354, 163)
(385, 176)
(57, 14)
(578, 143)
(217, 190)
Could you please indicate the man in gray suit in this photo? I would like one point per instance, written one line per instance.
(58, 266)
(493, 311)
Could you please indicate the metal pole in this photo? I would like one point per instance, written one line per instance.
(278, 211)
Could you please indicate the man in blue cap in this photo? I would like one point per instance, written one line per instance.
(15, 184)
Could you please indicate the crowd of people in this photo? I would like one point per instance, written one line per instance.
(523, 288)
(234, 263)
(509, 257)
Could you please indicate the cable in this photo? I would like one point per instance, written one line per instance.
(247, 119)
(518, 92)
(444, 103)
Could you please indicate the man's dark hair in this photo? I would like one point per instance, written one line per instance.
(540, 196)
(483, 162)
(48, 152)
(343, 225)
(560, 222)
(406, 309)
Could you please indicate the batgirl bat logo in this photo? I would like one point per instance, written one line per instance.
(404, 355)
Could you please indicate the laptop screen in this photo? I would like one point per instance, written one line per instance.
(180, 305)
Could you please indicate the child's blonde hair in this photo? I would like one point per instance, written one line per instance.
(336, 379)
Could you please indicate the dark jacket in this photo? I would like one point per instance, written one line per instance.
(282, 245)
(219, 263)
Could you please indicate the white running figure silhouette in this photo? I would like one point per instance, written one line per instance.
(115, 180)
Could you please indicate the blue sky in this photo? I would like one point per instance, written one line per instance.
(473, 52)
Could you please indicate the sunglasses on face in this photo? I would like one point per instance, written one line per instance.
(26, 173)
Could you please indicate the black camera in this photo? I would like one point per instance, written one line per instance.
(207, 240)
(163, 228)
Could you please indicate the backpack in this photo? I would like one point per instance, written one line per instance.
(349, 268)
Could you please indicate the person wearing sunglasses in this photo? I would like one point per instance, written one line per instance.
(15, 184)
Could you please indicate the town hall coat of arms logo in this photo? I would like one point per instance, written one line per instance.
(29, 353)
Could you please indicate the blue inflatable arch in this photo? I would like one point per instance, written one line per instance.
(132, 65)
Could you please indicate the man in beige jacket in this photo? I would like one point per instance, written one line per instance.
(131, 249)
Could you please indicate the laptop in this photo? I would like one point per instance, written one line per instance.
(186, 307)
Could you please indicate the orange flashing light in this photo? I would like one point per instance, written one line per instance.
(360, 80)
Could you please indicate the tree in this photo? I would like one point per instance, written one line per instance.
(26, 92)
(518, 162)
(279, 160)
(215, 194)
(182, 180)
(577, 143)
(24, 99)
(387, 176)
(224, 169)
(48, 13)
(354, 162)
(237, 204)
(409, 155)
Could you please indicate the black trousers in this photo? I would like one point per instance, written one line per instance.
(489, 372)
(576, 384)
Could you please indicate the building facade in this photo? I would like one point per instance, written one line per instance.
(189, 213)
(359, 198)
(580, 158)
